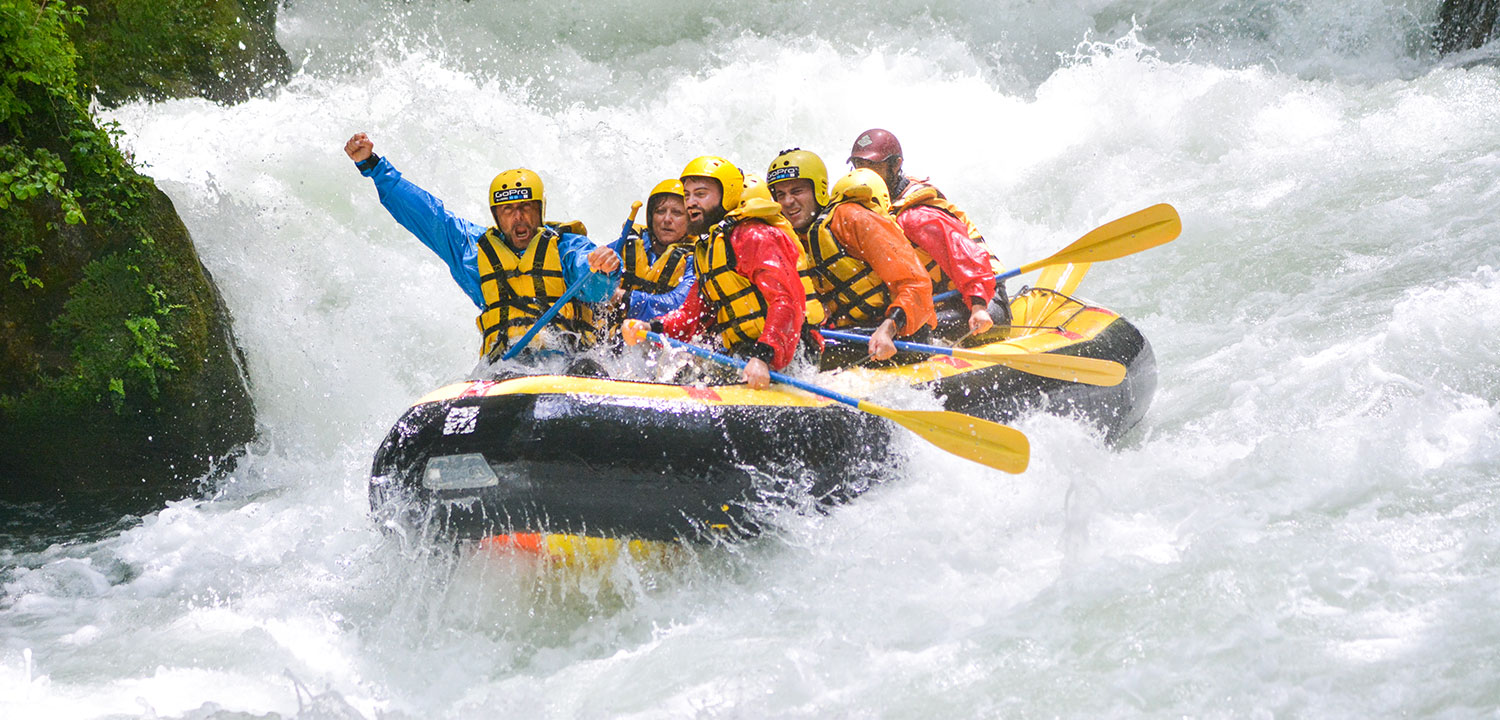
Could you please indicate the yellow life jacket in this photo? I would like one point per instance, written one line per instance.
(656, 278)
(851, 292)
(921, 192)
(517, 289)
(739, 306)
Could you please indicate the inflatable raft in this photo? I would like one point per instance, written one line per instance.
(512, 460)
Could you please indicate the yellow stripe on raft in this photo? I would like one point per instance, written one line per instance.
(579, 550)
(778, 395)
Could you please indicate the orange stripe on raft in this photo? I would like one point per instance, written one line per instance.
(702, 393)
(527, 542)
(476, 389)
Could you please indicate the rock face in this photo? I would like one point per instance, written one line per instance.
(1465, 24)
(223, 50)
(120, 380)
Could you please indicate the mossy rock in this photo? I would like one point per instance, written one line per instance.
(224, 50)
(120, 380)
(119, 376)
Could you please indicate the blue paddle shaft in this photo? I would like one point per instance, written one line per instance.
(1002, 277)
(544, 319)
(660, 339)
(900, 344)
(557, 306)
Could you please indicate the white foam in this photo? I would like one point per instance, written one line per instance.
(1298, 522)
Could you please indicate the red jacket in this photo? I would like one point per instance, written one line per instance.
(766, 256)
(942, 236)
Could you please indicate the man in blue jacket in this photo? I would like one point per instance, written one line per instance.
(513, 271)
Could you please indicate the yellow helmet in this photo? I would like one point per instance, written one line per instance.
(756, 201)
(754, 190)
(517, 186)
(863, 185)
(671, 186)
(731, 180)
(799, 164)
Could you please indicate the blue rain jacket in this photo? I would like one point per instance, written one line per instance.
(648, 306)
(454, 238)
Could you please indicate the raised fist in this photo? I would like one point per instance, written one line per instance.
(359, 147)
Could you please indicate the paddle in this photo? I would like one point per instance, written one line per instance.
(629, 222)
(1143, 230)
(984, 442)
(1089, 371)
(623, 307)
(543, 320)
(1063, 280)
(546, 317)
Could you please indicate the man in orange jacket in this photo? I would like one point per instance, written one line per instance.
(747, 293)
(865, 270)
(952, 249)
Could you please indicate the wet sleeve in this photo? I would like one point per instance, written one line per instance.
(575, 250)
(451, 237)
(767, 257)
(686, 322)
(878, 241)
(947, 241)
(618, 244)
(644, 305)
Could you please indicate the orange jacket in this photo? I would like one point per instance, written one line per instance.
(877, 240)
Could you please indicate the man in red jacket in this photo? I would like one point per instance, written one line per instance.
(952, 249)
(747, 293)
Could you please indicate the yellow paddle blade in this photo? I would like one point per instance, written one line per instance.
(1131, 234)
(1063, 279)
(987, 443)
(1089, 371)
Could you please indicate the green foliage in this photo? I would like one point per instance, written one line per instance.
(36, 77)
(24, 176)
(60, 169)
(114, 322)
(36, 53)
(16, 257)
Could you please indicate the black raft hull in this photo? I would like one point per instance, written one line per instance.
(621, 459)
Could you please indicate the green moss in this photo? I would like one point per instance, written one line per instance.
(112, 337)
(220, 49)
(116, 322)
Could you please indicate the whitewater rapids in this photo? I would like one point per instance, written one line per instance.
(1304, 525)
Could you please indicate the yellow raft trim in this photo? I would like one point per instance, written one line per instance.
(579, 550)
(778, 395)
(1071, 323)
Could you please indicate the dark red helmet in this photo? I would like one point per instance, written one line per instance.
(875, 145)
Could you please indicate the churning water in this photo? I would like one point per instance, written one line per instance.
(1304, 525)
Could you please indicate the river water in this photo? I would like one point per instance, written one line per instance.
(1304, 525)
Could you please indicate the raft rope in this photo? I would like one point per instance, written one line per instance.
(1082, 306)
